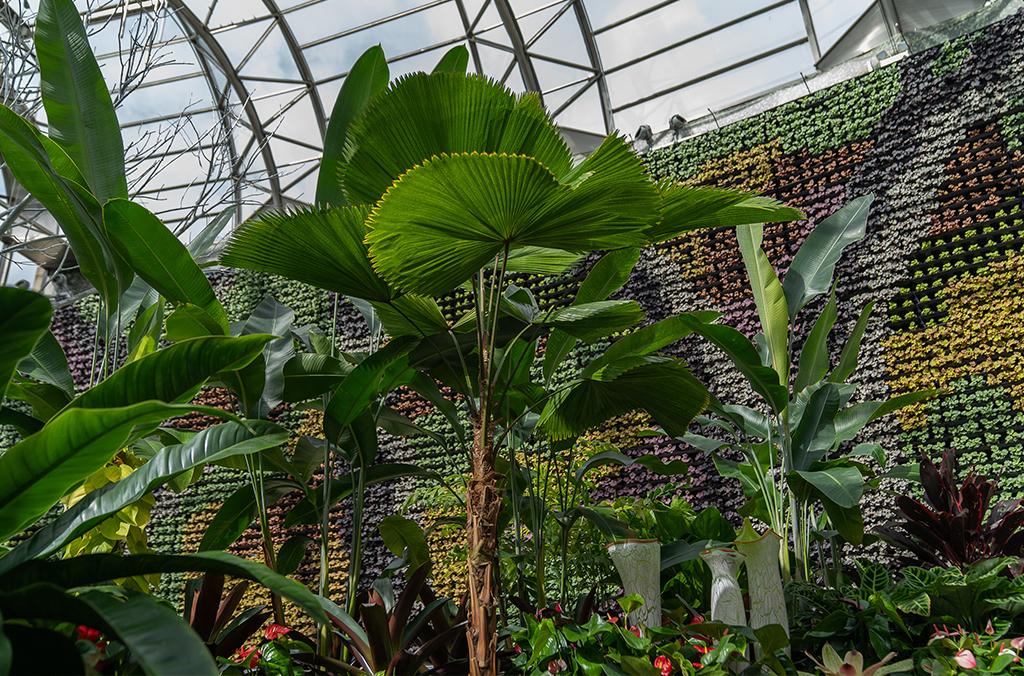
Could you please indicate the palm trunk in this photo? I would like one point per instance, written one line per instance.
(483, 508)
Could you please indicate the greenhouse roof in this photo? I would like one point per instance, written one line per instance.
(225, 102)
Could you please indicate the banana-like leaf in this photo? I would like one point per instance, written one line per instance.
(810, 273)
(768, 297)
(307, 376)
(319, 246)
(744, 356)
(158, 256)
(455, 60)
(662, 386)
(24, 320)
(271, 318)
(159, 640)
(816, 431)
(376, 375)
(405, 538)
(37, 471)
(367, 78)
(651, 462)
(851, 351)
(202, 244)
(813, 361)
(226, 440)
(649, 339)
(842, 485)
(77, 212)
(686, 208)
(173, 372)
(593, 321)
(156, 637)
(79, 112)
(447, 218)
(420, 116)
(607, 276)
(47, 363)
(93, 569)
(850, 421)
(238, 511)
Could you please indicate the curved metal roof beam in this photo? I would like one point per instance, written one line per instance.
(202, 35)
(515, 36)
(300, 63)
(470, 37)
(594, 54)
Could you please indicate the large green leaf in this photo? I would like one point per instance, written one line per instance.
(842, 485)
(405, 538)
(593, 321)
(662, 386)
(744, 356)
(238, 511)
(686, 208)
(455, 60)
(47, 363)
(768, 297)
(368, 77)
(42, 602)
(271, 318)
(77, 213)
(159, 257)
(210, 445)
(158, 639)
(447, 218)
(813, 361)
(420, 116)
(307, 376)
(649, 339)
(851, 420)
(815, 432)
(37, 471)
(319, 246)
(607, 276)
(92, 569)
(851, 350)
(24, 319)
(173, 372)
(373, 377)
(810, 273)
(79, 112)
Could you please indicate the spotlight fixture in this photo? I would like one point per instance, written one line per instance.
(678, 125)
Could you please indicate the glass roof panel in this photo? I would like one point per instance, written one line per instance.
(234, 95)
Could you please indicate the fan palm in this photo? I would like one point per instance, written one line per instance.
(448, 180)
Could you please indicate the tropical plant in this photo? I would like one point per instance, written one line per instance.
(956, 651)
(796, 472)
(212, 615)
(450, 181)
(956, 525)
(852, 664)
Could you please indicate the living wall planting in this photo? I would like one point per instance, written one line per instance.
(936, 138)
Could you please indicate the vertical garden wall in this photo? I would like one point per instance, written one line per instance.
(936, 138)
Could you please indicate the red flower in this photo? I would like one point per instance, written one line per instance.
(702, 649)
(558, 608)
(635, 630)
(697, 665)
(274, 631)
(663, 664)
(87, 633)
(613, 619)
(697, 619)
(251, 654)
